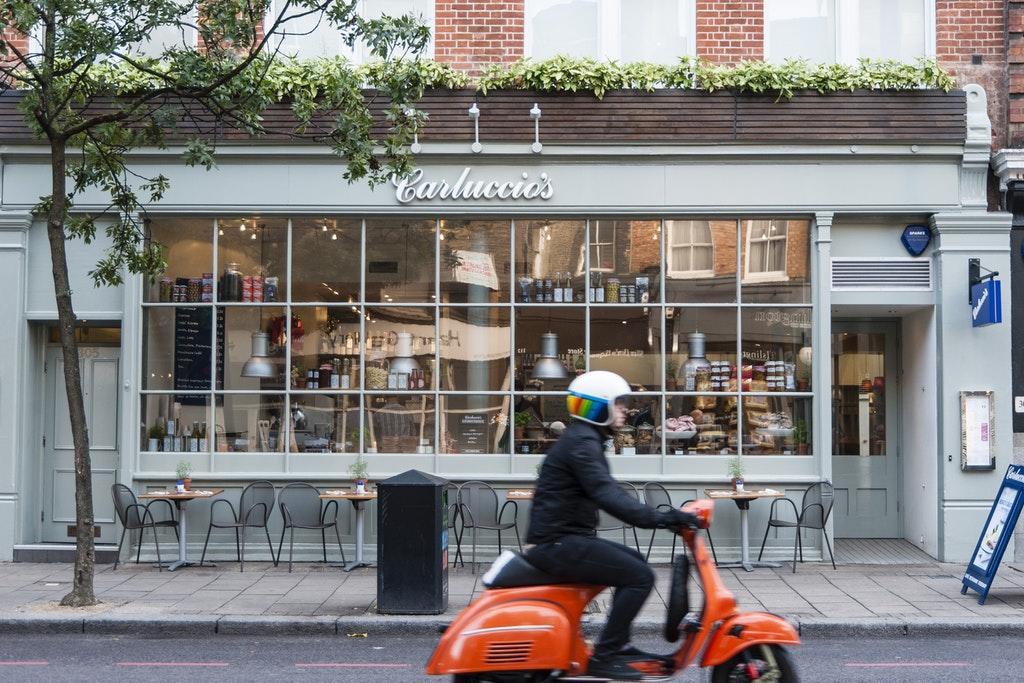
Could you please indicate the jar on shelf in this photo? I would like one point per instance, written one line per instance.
(377, 371)
(625, 440)
(611, 290)
(645, 438)
(231, 283)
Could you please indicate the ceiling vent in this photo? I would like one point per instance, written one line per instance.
(882, 274)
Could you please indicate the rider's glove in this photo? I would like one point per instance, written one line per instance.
(677, 519)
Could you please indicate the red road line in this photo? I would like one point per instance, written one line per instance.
(349, 665)
(880, 665)
(205, 664)
(25, 662)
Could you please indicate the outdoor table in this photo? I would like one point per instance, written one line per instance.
(357, 500)
(742, 500)
(181, 500)
(519, 494)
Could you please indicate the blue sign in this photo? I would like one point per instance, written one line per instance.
(986, 303)
(981, 570)
(916, 239)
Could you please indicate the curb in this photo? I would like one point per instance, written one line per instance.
(177, 625)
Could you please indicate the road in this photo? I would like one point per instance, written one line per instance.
(394, 658)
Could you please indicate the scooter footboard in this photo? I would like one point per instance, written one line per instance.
(743, 630)
(518, 635)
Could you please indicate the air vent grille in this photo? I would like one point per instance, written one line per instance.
(509, 653)
(882, 274)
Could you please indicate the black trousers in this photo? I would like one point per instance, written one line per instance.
(589, 559)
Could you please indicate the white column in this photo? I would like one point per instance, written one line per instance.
(821, 281)
(17, 481)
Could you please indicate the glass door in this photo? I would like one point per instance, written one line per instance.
(865, 457)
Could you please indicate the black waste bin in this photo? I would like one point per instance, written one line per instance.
(412, 544)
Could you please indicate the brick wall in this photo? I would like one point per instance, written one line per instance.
(1015, 73)
(471, 35)
(730, 31)
(970, 42)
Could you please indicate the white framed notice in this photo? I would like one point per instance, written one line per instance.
(977, 425)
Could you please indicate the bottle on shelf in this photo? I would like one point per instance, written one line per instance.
(567, 288)
(557, 294)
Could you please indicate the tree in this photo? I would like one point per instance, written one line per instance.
(100, 79)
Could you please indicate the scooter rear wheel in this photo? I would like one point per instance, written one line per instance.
(770, 664)
(503, 677)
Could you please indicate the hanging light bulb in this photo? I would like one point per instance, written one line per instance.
(548, 366)
(253, 236)
(259, 364)
(220, 232)
(241, 227)
(334, 236)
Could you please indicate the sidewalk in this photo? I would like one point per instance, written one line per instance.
(856, 599)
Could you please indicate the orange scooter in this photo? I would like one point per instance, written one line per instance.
(526, 628)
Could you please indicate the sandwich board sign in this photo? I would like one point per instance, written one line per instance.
(996, 534)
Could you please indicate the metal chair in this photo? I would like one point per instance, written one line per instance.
(254, 508)
(302, 508)
(656, 495)
(606, 522)
(478, 508)
(814, 511)
(452, 517)
(134, 515)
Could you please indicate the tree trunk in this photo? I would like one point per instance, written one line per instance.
(82, 593)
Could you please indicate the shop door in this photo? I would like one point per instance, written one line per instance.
(100, 371)
(865, 456)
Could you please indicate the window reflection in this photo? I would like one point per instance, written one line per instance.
(325, 424)
(475, 261)
(188, 250)
(475, 424)
(858, 389)
(398, 423)
(176, 423)
(627, 340)
(400, 260)
(776, 425)
(550, 262)
(568, 323)
(252, 423)
(325, 259)
(776, 261)
(252, 253)
(326, 355)
(700, 349)
(625, 261)
(701, 425)
(475, 349)
(776, 349)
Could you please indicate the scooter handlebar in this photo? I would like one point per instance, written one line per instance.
(703, 510)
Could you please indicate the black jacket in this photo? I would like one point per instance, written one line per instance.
(575, 481)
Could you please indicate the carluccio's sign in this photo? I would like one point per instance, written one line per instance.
(418, 187)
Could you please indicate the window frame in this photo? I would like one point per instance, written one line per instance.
(354, 54)
(766, 275)
(595, 244)
(609, 13)
(845, 40)
(670, 245)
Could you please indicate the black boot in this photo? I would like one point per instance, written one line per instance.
(616, 668)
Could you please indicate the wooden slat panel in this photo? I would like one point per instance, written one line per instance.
(659, 117)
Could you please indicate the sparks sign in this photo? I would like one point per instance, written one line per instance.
(415, 187)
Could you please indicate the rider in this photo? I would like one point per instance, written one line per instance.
(574, 482)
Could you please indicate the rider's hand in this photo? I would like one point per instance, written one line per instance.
(677, 519)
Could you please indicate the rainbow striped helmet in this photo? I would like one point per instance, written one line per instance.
(592, 395)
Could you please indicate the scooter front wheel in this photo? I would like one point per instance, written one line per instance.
(763, 663)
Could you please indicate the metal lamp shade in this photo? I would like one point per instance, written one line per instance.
(548, 366)
(259, 364)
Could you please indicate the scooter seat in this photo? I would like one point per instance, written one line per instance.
(511, 570)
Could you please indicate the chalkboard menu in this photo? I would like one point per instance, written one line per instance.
(473, 433)
(193, 349)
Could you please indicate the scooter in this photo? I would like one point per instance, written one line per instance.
(525, 628)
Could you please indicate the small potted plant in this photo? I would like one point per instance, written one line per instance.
(358, 470)
(580, 364)
(156, 436)
(671, 367)
(184, 473)
(736, 472)
(522, 419)
(800, 437)
(298, 376)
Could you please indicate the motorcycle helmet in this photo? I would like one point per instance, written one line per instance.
(592, 395)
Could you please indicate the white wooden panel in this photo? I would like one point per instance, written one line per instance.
(101, 409)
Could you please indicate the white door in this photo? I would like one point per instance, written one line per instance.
(865, 455)
(100, 371)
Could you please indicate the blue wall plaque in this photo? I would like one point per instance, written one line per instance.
(916, 239)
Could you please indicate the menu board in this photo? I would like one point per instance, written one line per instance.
(193, 349)
(473, 433)
(996, 534)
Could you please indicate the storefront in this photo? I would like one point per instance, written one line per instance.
(435, 323)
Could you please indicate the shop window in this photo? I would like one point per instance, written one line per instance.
(176, 423)
(475, 424)
(475, 346)
(776, 425)
(627, 340)
(533, 323)
(325, 348)
(325, 423)
(776, 349)
(776, 261)
(253, 423)
(308, 35)
(700, 349)
(625, 262)
(701, 425)
(633, 30)
(253, 254)
(825, 31)
(476, 261)
(691, 250)
(325, 259)
(400, 260)
(187, 245)
(550, 261)
(397, 423)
